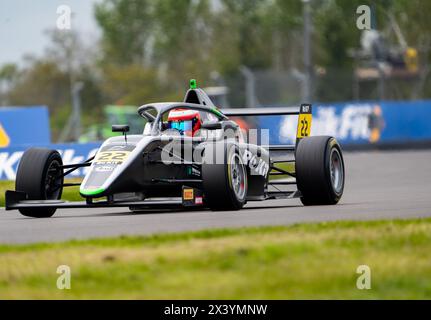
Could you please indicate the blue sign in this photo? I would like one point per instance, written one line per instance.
(70, 153)
(354, 123)
(24, 126)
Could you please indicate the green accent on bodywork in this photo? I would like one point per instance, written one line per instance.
(91, 192)
(217, 112)
(193, 84)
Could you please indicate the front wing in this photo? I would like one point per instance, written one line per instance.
(18, 200)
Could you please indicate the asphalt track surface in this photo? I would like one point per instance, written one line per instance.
(379, 185)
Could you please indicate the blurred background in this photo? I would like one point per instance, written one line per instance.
(87, 64)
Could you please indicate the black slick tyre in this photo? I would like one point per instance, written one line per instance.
(224, 184)
(319, 170)
(39, 175)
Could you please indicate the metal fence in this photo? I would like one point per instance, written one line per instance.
(331, 85)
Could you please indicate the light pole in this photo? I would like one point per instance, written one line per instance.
(307, 50)
(250, 86)
(73, 124)
(76, 102)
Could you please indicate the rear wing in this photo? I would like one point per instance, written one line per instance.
(303, 112)
(243, 112)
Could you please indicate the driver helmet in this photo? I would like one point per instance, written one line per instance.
(186, 121)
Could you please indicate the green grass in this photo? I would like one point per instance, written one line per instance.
(69, 193)
(289, 167)
(317, 261)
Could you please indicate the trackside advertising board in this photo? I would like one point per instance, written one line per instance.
(24, 126)
(359, 123)
(71, 153)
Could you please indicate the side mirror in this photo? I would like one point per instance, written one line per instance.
(231, 125)
(120, 128)
(211, 125)
(124, 128)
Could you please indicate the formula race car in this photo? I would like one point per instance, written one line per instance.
(190, 154)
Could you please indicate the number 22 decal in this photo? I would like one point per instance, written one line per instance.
(304, 125)
(114, 156)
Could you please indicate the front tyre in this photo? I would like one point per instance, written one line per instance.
(224, 184)
(39, 175)
(319, 170)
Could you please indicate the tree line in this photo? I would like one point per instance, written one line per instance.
(150, 48)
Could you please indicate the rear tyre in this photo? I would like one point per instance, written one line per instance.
(319, 170)
(39, 175)
(224, 184)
